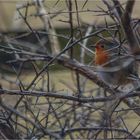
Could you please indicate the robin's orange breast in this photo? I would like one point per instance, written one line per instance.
(101, 57)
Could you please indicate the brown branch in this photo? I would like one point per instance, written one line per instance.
(70, 8)
(55, 47)
(126, 24)
(67, 131)
(118, 7)
(68, 97)
(89, 73)
(27, 119)
(57, 95)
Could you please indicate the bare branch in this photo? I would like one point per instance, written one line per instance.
(48, 26)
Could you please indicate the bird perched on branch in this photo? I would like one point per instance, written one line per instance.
(101, 56)
(114, 70)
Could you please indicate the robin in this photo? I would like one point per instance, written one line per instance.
(114, 70)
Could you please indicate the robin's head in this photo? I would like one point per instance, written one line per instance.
(99, 47)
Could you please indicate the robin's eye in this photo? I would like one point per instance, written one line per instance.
(102, 46)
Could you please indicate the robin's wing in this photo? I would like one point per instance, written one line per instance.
(116, 64)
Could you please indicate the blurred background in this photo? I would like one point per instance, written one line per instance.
(88, 13)
(31, 35)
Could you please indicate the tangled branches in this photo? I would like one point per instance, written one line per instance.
(52, 90)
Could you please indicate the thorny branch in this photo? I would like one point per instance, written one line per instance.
(35, 105)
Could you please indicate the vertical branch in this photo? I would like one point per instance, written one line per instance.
(44, 16)
(118, 7)
(112, 10)
(70, 7)
(77, 15)
(126, 24)
(78, 84)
